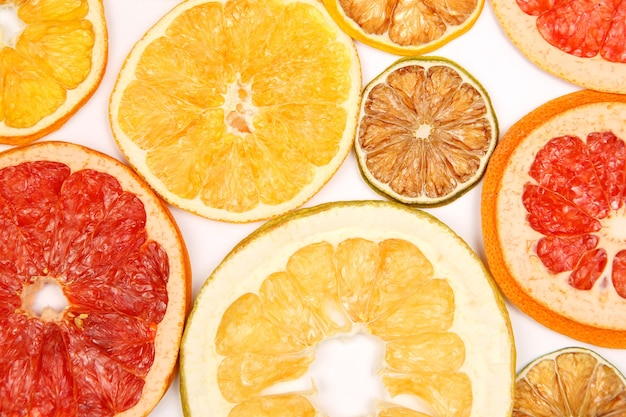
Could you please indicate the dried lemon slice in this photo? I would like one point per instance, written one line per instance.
(570, 382)
(425, 329)
(426, 131)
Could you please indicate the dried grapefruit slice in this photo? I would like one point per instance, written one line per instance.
(238, 110)
(580, 41)
(570, 382)
(405, 27)
(53, 55)
(553, 213)
(106, 343)
(426, 131)
(426, 330)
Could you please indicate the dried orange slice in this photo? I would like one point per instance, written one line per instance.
(238, 110)
(570, 382)
(553, 215)
(426, 131)
(94, 286)
(349, 308)
(580, 41)
(53, 55)
(405, 27)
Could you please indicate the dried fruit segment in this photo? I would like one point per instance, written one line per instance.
(558, 185)
(405, 27)
(81, 221)
(426, 132)
(56, 47)
(571, 381)
(259, 345)
(237, 110)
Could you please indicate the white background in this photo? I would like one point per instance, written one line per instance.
(515, 85)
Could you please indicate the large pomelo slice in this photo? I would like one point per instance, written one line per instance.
(275, 316)
(94, 286)
(554, 215)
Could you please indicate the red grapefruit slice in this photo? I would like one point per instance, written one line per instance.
(82, 222)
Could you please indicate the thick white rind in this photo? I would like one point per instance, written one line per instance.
(481, 318)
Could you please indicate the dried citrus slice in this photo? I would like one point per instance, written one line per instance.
(94, 286)
(580, 41)
(426, 131)
(570, 382)
(349, 308)
(53, 55)
(238, 110)
(405, 27)
(553, 213)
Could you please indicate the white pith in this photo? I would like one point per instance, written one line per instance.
(11, 26)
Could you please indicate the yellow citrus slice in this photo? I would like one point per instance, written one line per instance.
(426, 131)
(553, 215)
(405, 27)
(369, 308)
(570, 382)
(238, 110)
(53, 55)
(582, 41)
(95, 285)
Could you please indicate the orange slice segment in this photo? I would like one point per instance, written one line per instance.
(53, 56)
(238, 110)
(398, 287)
(553, 215)
(405, 27)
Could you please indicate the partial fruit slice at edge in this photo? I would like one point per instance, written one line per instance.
(426, 131)
(53, 55)
(577, 31)
(553, 213)
(405, 27)
(370, 269)
(238, 110)
(572, 381)
(84, 224)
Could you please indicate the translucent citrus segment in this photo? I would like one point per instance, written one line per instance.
(426, 131)
(570, 381)
(237, 110)
(85, 225)
(50, 65)
(254, 335)
(405, 27)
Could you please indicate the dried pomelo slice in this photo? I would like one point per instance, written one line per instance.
(53, 55)
(580, 41)
(426, 131)
(238, 110)
(94, 286)
(570, 382)
(553, 214)
(405, 27)
(388, 295)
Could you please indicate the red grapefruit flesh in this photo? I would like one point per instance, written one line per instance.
(79, 220)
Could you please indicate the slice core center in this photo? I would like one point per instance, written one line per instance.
(44, 299)
(11, 26)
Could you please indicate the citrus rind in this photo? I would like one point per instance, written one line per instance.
(589, 316)
(76, 97)
(481, 318)
(374, 180)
